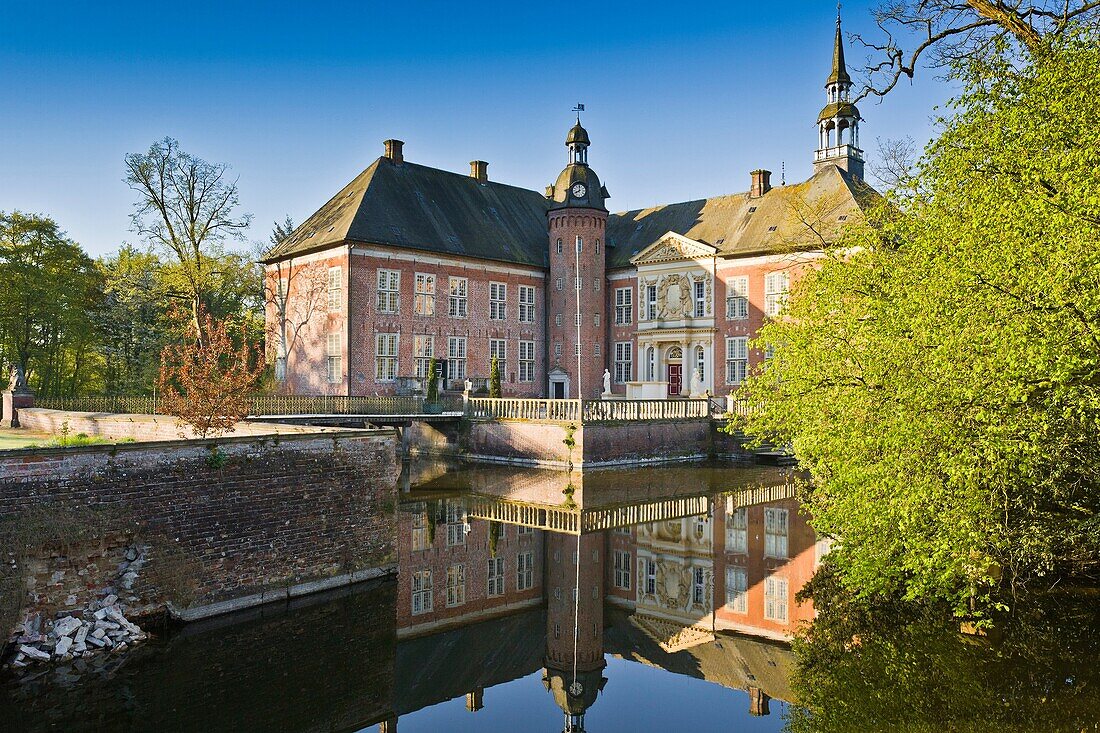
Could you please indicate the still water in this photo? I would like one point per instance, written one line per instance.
(633, 600)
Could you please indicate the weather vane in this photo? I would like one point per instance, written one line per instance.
(578, 109)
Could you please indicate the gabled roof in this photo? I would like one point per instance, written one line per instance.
(414, 206)
(673, 246)
(740, 225)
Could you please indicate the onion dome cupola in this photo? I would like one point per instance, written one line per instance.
(577, 185)
(838, 122)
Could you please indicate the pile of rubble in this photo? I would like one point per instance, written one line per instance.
(102, 628)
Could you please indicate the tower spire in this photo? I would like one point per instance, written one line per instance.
(839, 73)
(838, 122)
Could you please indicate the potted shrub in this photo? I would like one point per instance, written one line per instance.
(432, 405)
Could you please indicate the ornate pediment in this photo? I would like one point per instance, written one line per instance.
(673, 247)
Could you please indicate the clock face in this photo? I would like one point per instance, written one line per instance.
(579, 190)
(576, 689)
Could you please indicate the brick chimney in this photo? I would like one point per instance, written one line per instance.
(479, 170)
(394, 151)
(761, 182)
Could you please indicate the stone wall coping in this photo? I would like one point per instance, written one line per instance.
(113, 448)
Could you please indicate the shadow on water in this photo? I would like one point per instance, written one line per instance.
(322, 663)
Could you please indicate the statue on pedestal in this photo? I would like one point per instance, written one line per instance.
(606, 382)
(18, 382)
(696, 383)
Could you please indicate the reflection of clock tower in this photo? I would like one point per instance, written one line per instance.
(577, 221)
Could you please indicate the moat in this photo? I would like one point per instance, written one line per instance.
(624, 600)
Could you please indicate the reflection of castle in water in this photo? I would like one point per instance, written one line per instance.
(705, 594)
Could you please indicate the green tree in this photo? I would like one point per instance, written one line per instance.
(186, 207)
(494, 378)
(50, 289)
(939, 375)
(431, 392)
(134, 322)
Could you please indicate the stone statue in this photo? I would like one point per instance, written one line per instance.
(696, 383)
(606, 381)
(18, 383)
(469, 386)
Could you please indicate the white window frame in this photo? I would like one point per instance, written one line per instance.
(389, 291)
(334, 358)
(737, 531)
(458, 293)
(651, 303)
(495, 583)
(456, 524)
(424, 294)
(777, 286)
(525, 571)
(526, 304)
(456, 585)
(699, 586)
(560, 283)
(335, 288)
(737, 359)
(624, 362)
(418, 535)
(423, 351)
(648, 575)
(386, 349)
(498, 301)
(699, 295)
(456, 357)
(499, 349)
(776, 533)
(624, 306)
(527, 361)
(622, 569)
(737, 298)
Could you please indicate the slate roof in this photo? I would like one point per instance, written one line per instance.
(421, 208)
(740, 225)
(418, 207)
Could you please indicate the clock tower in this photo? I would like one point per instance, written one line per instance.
(576, 222)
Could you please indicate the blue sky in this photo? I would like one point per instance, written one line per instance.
(683, 99)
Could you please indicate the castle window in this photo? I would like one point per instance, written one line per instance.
(499, 349)
(421, 592)
(456, 358)
(459, 288)
(559, 246)
(335, 288)
(424, 298)
(649, 571)
(776, 287)
(597, 351)
(526, 304)
(557, 349)
(389, 291)
(737, 359)
(624, 355)
(700, 362)
(651, 302)
(737, 298)
(577, 319)
(651, 364)
(700, 291)
(737, 589)
(557, 319)
(498, 301)
(580, 245)
(699, 590)
(419, 534)
(737, 531)
(385, 357)
(456, 523)
(526, 361)
(597, 246)
(578, 282)
(624, 306)
(596, 284)
(334, 359)
(775, 599)
(423, 350)
(596, 319)
(560, 283)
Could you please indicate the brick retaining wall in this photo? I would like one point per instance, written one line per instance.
(234, 521)
(113, 426)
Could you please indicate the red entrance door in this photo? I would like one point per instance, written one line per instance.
(675, 378)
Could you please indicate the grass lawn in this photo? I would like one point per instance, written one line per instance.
(12, 439)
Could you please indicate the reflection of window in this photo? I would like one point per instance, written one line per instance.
(525, 530)
(737, 531)
(622, 569)
(421, 591)
(737, 298)
(456, 530)
(737, 589)
(649, 576)
(775, 533)
(496, 576)
(456, 585)
(419, 534)
(737, 359)
(525, 571)
(699, 586)
(775, 599)
(424, 298)
(700, 527)
(776, 287)
(389, 287)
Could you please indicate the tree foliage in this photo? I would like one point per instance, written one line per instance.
(494, 377)
(208, 383)
(939, 375)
